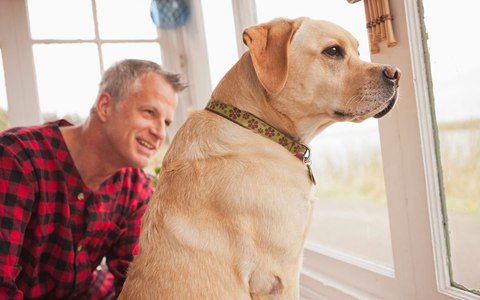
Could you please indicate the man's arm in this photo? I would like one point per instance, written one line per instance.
(121, 254)
(16, 201)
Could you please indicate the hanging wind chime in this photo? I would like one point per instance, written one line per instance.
(379, 23)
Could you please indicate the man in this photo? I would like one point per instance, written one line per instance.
(71, 195)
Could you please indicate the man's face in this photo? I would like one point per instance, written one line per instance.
(137, 126)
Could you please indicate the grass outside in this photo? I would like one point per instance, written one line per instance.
(3, 119)
(360, 177)
(460, 154)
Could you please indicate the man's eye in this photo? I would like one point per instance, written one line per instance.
(334, 51)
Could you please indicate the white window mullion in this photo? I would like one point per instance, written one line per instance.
(97, 37)
(245, 15)
(186, 54)
(21, 86)
(404, 175)
(428, 145)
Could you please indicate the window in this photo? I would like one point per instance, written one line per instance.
(67, 86)
(350, 213)
(75, 42)
(456, 95)
(220, 36)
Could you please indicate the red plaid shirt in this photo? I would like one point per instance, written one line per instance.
(54, 231)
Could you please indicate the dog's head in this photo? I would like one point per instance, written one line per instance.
(311, 70)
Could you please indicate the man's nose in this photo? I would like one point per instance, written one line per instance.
(159, 130)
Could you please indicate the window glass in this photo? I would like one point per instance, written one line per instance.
(220, 37)
(456, 94)
(67, 79)
(3, 97)
(68, 72)
(127, 19)
(350, 214)
(118, 51)
(61, 19)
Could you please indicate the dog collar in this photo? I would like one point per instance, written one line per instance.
(257, 125)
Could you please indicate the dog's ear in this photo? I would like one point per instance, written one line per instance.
(268, 44)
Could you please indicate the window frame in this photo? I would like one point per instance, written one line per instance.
(408, 142)
(20, 81)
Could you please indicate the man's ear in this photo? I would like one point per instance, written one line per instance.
(103, 106)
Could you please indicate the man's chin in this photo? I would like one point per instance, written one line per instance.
(142, 158)
(141, 162)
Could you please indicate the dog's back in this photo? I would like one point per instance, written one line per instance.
(211, 228)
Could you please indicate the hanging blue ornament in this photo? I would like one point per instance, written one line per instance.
(169, 14)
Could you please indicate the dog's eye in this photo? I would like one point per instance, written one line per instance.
(334, 51)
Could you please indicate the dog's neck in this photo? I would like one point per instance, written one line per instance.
(258, 126)
(241, 88)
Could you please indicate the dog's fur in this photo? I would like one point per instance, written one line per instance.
(231, 209)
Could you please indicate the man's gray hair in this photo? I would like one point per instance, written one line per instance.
(122, 78)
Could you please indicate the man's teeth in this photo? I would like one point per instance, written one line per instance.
(146, 144)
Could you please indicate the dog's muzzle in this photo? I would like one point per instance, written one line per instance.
(391, 104)
(392, 75)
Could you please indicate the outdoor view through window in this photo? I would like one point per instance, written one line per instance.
(456, 92)
(59, 70)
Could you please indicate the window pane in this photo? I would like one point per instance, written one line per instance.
(127, 19)
(67, 79)
(3, 97)
(115, 52)
(220, 36)
(350, 214)
(457, 109)
(61, 19)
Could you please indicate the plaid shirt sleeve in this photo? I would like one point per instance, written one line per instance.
(16, 201)
(121, 254)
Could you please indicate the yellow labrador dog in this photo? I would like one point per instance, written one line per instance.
(233, 202)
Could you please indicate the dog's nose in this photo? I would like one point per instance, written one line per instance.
(392, 73)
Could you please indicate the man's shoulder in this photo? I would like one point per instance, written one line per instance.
(31, 133)
(30, 139)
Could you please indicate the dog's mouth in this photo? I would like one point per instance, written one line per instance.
(388, 106)
(348, 115)
(342, 114)
(391, 104)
